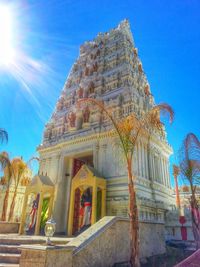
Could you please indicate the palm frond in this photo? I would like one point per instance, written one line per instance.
(152, 119)
(3, 135)
(4, 160)
(189, 158)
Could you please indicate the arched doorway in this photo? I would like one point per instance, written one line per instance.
(91, 189)
(37, 205)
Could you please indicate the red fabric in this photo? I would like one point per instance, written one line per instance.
(81, 213)
(182, 219)
(87, 204)
(184, 233)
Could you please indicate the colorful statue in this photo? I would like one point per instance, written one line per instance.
(86, 208)
(72, 119)
(86, 115)
(33, 215)
(80, 92)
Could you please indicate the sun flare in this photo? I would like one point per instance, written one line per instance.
(6, 31)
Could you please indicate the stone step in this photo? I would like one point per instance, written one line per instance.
(4, 248)
(8, 265)
(9, 258)
(4, 241)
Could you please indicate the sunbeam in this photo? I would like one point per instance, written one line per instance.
(25, 55)
(7, 52)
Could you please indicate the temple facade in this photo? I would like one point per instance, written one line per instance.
(109, 69)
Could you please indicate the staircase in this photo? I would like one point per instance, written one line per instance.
(9, 255)
(10, 250)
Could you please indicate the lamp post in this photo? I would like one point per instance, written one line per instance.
(49, 230)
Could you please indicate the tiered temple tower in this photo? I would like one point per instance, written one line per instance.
(108, 68)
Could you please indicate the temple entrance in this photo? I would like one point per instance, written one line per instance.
(87, 200)
(77, 164)
(37, 206)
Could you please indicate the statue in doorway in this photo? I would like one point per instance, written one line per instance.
(86, 208)
(33, 216)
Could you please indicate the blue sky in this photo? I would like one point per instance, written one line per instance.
(47, 36)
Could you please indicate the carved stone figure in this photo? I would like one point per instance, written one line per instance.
(80, 92)
(86, 115)
(72, 119)
(91, 88)
(146, 90)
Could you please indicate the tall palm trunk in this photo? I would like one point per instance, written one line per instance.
(12, 206)
(5, 205)
(134, 223)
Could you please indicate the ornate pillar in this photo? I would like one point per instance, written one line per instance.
(146, 162)
(103, 203)
(138, 160)
(103, 167)
(96, 156)
(39, 211)
(94, 202)
(157, 168)
(162, 171)
(71, 211)
(153, 167)
(168, 177)
(143, 161)
(135, 161)
(150, 164)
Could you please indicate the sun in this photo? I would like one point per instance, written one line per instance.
(6, 32)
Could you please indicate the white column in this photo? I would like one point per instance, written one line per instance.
(162, 172)
(153, 167)
(135, 163)
(104, 148)
(163, 165)
(96, 156)
(138, 160)
(164, 175)
(168, 176)
(165, 171)
(156, 167)
(146, 161)
(151, 164)
(143, 162)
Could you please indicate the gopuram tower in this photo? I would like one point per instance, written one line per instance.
(108, 68)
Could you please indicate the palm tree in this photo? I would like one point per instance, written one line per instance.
(13, 172)
(3, 135)
(20, 170)
(189, 164)
(5, 164)
(129, 130)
